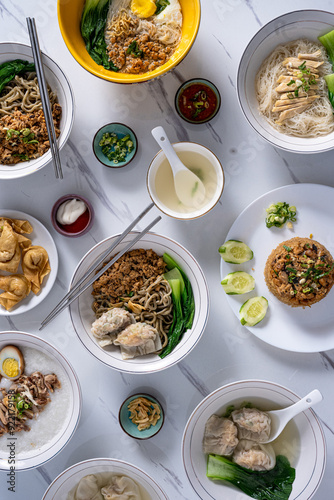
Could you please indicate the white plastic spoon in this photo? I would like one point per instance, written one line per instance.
(189, 188)
(279, 418)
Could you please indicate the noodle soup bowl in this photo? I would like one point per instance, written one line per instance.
(82, 314)
(307, 24)
(69, 17)
(302, 441)
(59, 84)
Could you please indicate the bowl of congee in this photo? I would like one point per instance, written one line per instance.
(129, 41)
(285, 82)
(203, 163)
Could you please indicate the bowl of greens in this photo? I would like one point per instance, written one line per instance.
(148, 311)
(290, 467)
(115, 145)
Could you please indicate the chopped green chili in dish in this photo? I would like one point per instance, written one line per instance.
(114, 148)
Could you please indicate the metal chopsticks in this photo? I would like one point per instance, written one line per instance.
(44, 96)
(75, 292)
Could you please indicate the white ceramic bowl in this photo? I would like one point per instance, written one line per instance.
(58, 83)
(67, 480)
(214, 183)
(302, 441)
(45, 451)
(39, 236)
(82, 315)
(299, 24)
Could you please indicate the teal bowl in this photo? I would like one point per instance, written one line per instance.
(121, 131)
(130, 428)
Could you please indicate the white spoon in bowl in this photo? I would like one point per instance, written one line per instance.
(189, 188)
(279, 418)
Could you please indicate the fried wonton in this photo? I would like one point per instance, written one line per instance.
(16, 287)
(19, 226)
(10, 253)
(35, 266)
(23, 241)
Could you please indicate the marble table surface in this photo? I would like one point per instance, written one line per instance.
(227, 351)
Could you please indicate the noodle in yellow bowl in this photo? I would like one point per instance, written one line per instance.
(69, 17)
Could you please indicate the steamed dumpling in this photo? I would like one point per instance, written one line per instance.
(87, 489)
(220, 436)
(35, 266)
(110, 323)
(16, 287)
(10, 253)
(137, 340)
(254, 456)
(121, 488)
(252, 424)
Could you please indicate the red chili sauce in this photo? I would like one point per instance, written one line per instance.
(197, 102)
(79, 225)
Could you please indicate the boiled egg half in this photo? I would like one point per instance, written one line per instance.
(11, 362)
(143, 8)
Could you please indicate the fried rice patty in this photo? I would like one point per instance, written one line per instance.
(299, 272)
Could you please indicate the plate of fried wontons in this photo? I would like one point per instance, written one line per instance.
(28, 262)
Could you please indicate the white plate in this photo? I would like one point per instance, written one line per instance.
(82, 315)
(303, 443)
(59, 84)
(44, 452)
(308, 24)
(293, 329)
(63, 484)
(39, 236)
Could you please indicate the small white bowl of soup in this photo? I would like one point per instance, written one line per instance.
(201, 161)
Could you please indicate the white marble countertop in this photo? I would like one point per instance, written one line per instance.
(252, 168)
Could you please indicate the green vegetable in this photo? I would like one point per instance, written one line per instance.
(279, 213)
(134, 49)
(253, 311)
(327, 41)
(21, 404)
(275, 484)
(235, 252)
(183, 302)
(10, 69)
(116, 148)
(161, 5)
(330, 85)
(238, 283)
(93, 23)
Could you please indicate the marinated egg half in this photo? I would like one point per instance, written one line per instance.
(11, 362)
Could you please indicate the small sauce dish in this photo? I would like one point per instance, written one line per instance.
(83, 223)
(197, 101)
(115, 145)
(202, 162)
(130, 428)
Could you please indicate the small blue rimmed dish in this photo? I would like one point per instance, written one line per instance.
(197, 101)
(130, 428)
(112, 139)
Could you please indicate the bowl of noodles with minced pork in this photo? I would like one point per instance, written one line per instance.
(24, 142)
(134, 318)
(129, 41)
(281, 86)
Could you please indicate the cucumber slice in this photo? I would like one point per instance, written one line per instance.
(238, 283)
(253, 311)
(235, 252)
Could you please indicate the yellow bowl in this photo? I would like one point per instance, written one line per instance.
(69, 17)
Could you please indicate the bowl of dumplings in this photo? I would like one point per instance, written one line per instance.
(105, 478)
(28, 262)
(225, 443)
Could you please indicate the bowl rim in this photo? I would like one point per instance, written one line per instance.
(135, 151)
(140, 78)
(64, 139)
(243, 108)
(266, 384)
(57, 204)
(70, 368)
(205, 314)
(164, 211)
(138, 394)
(188, 83)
